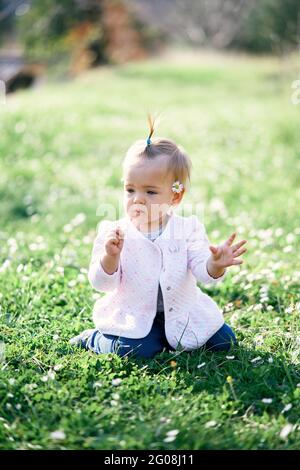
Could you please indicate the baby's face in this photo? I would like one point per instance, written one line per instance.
(148, 191)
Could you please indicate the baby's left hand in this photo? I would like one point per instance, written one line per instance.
(224, 255)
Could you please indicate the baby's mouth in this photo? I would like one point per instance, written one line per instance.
(137, 211)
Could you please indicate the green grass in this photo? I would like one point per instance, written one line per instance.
(61, 149)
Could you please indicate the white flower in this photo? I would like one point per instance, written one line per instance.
(287, 407)
(4, 265)
(230, 357)
(116, 396)
(290, 238)
(2, 351)
(285, 431)
(163, 419)
(258, 358)
(264, 288)
(97, 384)
(171, 435)
(169, 439)
(78, 219)
(49, 376)
(289, 310)
(68, 228)
(58, 435)
(58, 367)
(201, 365)
(267, 400)
(116, 382)
(173, 432)
(278, 232)
(257, 307)
(30, 386)
(177, 187)
(210, 424)
(20, 268)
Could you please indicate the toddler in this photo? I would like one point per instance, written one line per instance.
(149, 262)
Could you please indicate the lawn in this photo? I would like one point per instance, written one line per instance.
(61, 150)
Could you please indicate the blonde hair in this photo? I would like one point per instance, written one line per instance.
(179, 163)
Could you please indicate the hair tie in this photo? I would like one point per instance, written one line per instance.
(151, 125)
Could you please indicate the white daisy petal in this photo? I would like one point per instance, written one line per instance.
(58, 435)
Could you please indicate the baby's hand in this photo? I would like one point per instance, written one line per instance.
(114, 242)
(224, 255)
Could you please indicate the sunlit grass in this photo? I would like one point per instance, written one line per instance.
(61, 149)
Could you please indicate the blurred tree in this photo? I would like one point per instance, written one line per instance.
(45, 28)
(254, 25)
(80, 33)
(272, 26)
(7, 9)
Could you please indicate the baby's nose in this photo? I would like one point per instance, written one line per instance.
(138, 199)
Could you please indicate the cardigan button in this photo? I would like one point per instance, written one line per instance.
(168, 288)
(170, 309)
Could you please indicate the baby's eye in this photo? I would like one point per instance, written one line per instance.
(151, 192)
(129, 190)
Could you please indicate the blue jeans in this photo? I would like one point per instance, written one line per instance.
(153, 343)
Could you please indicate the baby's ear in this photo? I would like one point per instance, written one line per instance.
(178, 196)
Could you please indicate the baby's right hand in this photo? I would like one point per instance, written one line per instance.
(114, 242)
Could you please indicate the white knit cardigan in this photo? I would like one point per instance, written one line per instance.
(177, 259)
